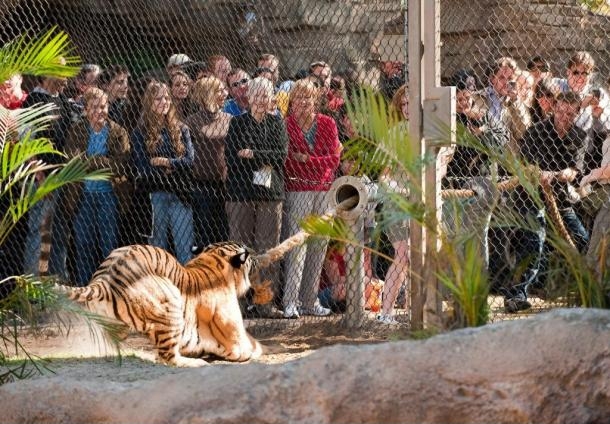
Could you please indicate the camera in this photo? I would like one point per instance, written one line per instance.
(596, 92)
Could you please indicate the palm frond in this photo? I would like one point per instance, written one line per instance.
(32, 191)
(382, 140)
(16, 155)
(334, 228)
(48, 55)
(32, 300)
(14, 123)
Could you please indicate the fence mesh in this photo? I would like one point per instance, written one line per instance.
(250, 167)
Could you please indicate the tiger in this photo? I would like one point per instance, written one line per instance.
(186, 311)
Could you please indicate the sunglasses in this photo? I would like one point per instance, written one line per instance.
(579, 73)
(240, 82)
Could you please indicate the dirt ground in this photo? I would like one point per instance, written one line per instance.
(81, 352)
(78, 351)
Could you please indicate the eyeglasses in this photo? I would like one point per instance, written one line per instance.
(240, 82)
(579, 73)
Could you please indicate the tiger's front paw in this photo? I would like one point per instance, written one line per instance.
(238, 354)
(184, 362)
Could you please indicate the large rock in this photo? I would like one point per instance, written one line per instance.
(551, 368)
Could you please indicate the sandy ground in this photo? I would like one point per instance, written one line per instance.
(81, 352)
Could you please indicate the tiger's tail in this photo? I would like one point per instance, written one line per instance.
(276, 253)
(81, 295)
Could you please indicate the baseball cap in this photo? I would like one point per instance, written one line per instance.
(178, 59)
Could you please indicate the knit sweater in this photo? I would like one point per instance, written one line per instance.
(318, 172)
(268, 141)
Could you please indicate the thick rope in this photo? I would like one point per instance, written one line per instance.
(512, 183)
(506, 185)
(554, 214)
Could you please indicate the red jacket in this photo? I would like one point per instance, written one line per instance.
(319, 171)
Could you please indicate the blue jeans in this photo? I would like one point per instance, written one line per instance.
(575, 227)
(95, 229)
(172, 214)
(528, 246)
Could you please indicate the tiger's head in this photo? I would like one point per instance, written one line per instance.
(239, 258)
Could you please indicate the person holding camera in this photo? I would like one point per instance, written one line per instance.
(502, 109)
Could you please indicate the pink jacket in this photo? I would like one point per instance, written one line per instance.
(319, 171)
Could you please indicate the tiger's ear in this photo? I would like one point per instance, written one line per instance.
(238, 260)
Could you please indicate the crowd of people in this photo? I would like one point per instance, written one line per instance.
(202, 152)
(199, 153)
(558, 124)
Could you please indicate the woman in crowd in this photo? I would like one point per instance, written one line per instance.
(255, 152)
(164, 158)
(106, 144)
(181, 85)
(209, 129)
(397, 231)
(313, 159)
(544, 99)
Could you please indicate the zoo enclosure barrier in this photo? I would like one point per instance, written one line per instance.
(363, 43)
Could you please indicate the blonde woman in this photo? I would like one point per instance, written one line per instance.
(164, 158)
(209, 129)
(312, 162)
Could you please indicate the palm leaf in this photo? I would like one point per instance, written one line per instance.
(47, 55)
(16, 156)
(20, 121)
(33, 191)
(31, 299)
(382, 140)
(335, 229)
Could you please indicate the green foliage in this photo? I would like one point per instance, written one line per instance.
(19, 169)
(21, 187)
(49, 55)
(382, 141)
(597, 6)
(31, 302)
(582, 284)
(335, 229)
(466, 278)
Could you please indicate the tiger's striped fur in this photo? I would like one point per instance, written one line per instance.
(186, 311)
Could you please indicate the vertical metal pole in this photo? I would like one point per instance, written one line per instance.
(354, 296)
(404, 7)
(418, 232)
(432, 70)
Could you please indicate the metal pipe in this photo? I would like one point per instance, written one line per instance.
(415, 83)
(351, 198)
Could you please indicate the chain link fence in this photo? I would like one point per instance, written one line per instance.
(531, 80)
(242, 76)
